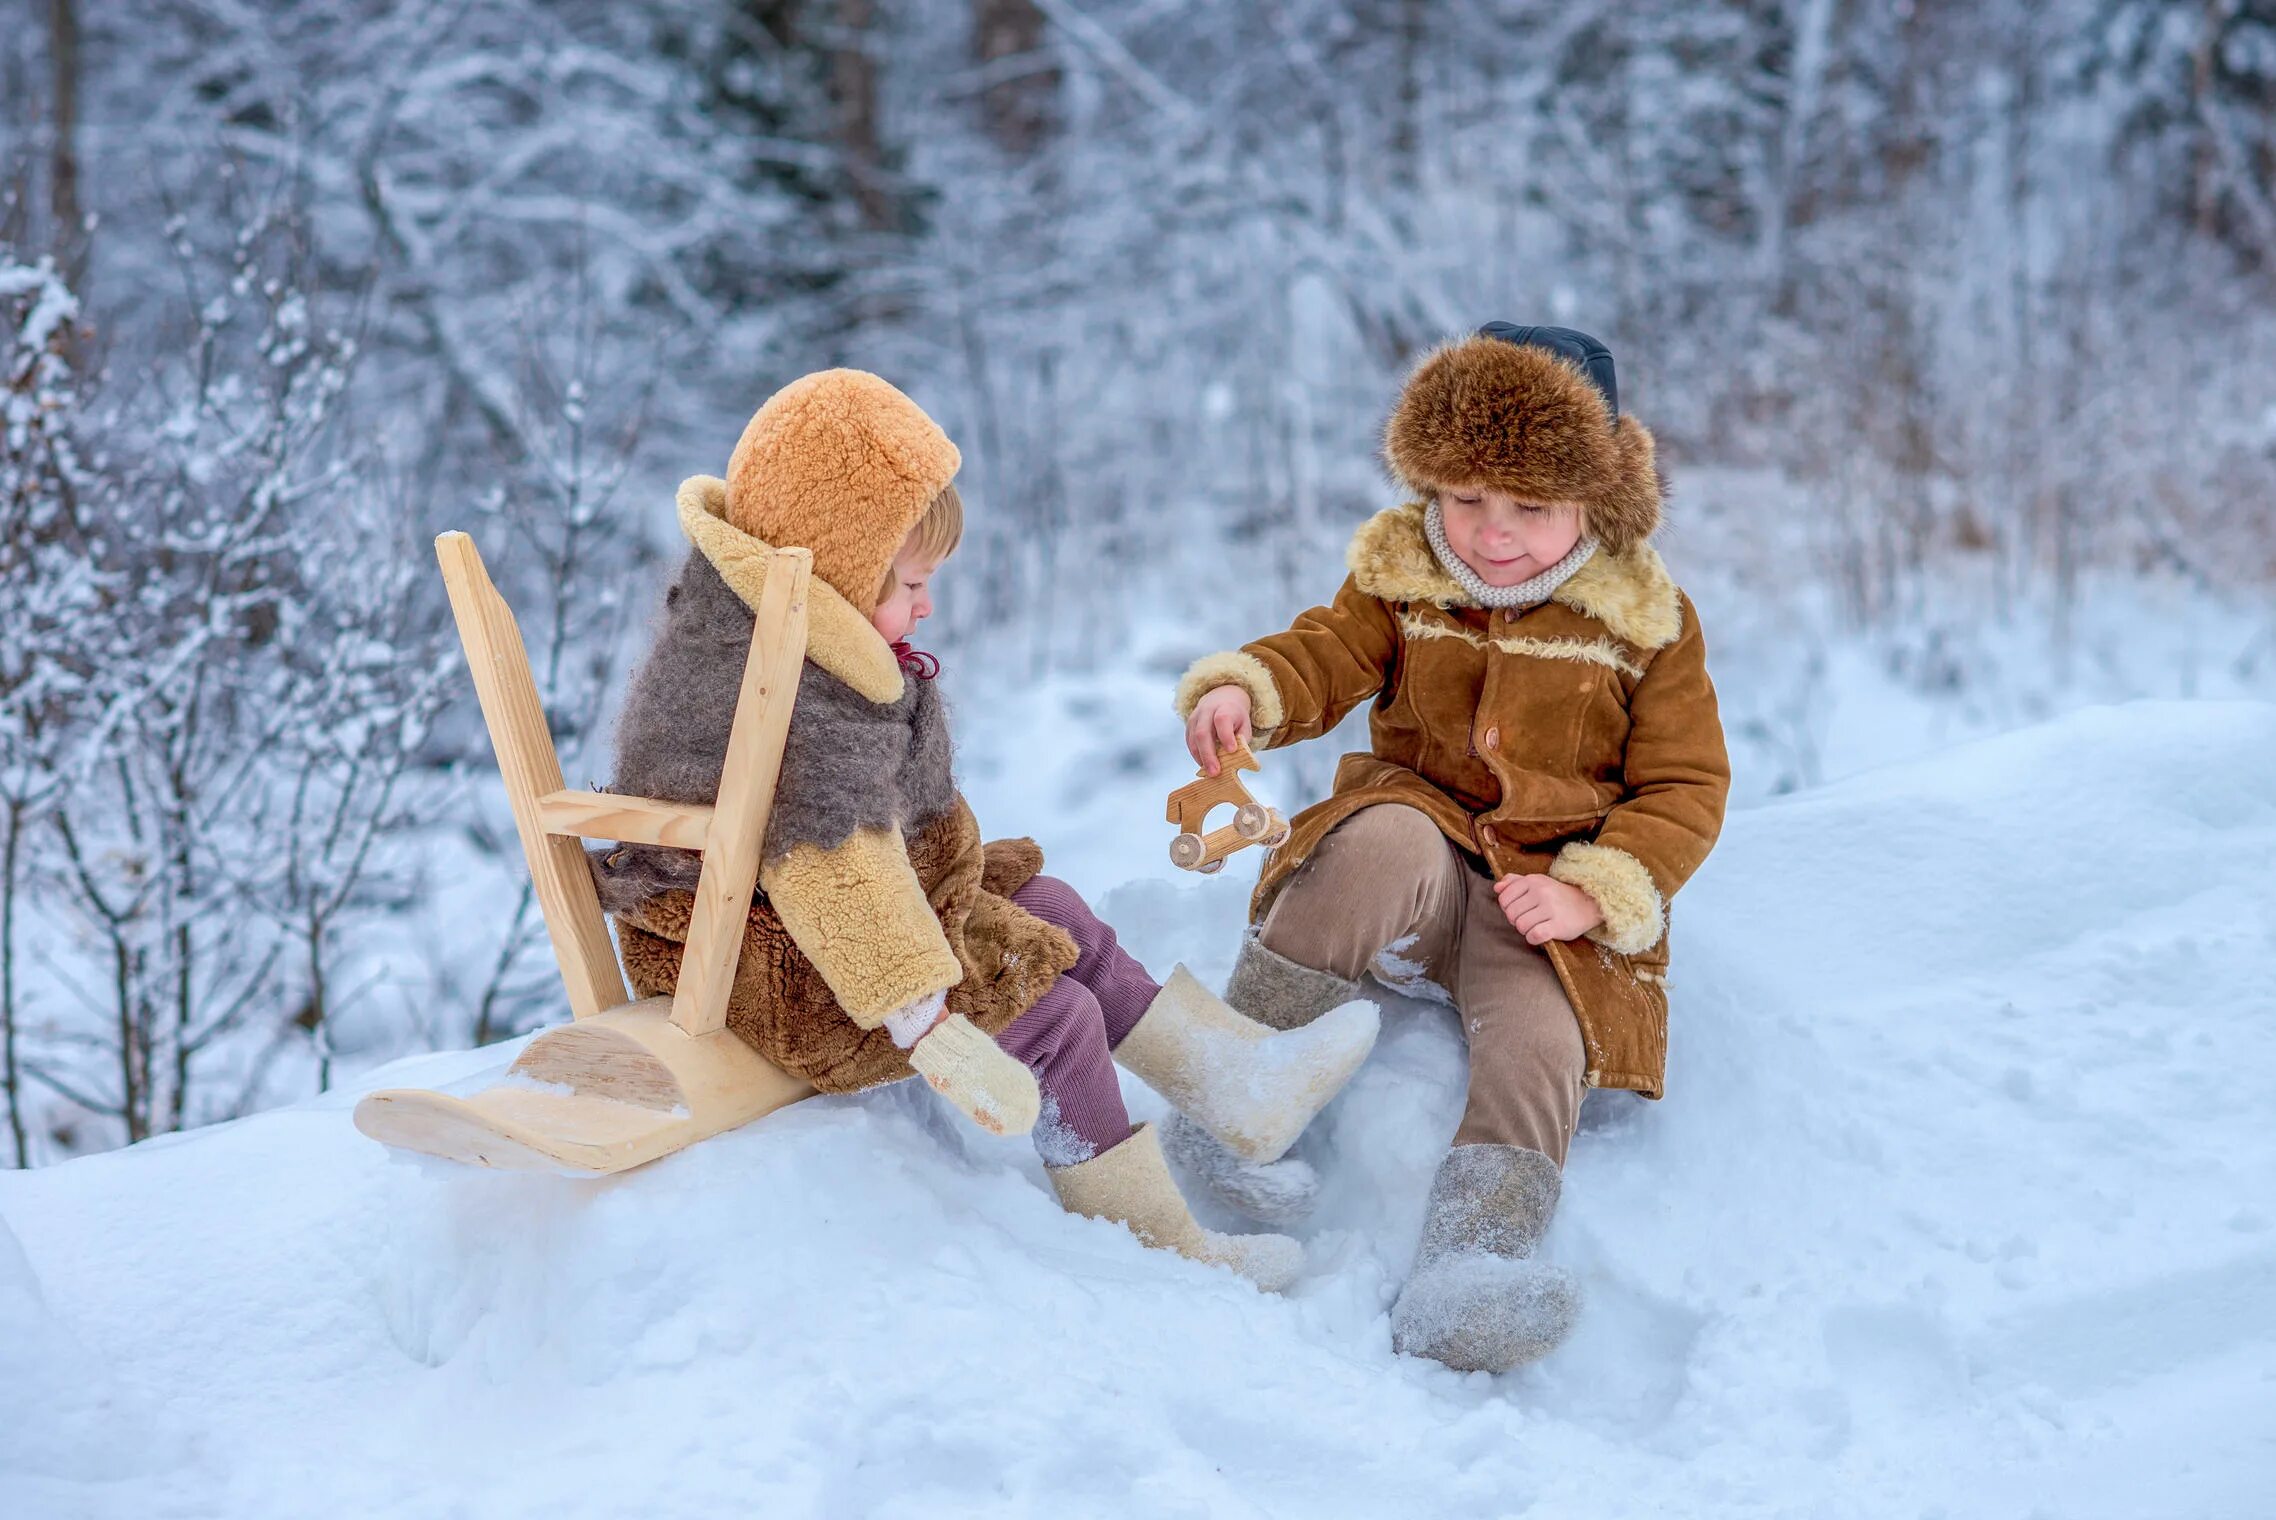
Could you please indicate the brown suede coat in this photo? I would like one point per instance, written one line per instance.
(1579, 737)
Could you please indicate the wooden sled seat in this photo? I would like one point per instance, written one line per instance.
(625, 1082)
(600, 1095)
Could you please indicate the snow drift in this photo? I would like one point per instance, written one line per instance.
(1961, 1203)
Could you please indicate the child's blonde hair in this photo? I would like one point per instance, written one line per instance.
(935, 536)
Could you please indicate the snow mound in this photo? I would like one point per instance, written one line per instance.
(1961, 1204)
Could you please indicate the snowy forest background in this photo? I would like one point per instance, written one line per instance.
(1955, 323)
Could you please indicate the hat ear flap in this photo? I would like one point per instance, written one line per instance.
(1626, 509)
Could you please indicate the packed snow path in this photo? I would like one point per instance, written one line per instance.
(1963, 1203)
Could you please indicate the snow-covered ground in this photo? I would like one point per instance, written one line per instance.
(1963, 1202)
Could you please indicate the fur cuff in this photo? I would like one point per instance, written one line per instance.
(1634, 915)
(1009, 864)
(1235, 667)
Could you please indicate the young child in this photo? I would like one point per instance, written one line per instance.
(1546, 769)
(885, 937)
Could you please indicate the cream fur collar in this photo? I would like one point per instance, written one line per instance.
(838, 638)
(1631, 594)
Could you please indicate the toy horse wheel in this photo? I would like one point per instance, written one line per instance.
(1186, 851)
(1278, 834)
(1252, 822)
(1211, 868)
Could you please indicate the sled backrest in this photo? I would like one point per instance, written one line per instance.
(551, 819)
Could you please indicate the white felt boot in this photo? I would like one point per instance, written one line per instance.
(1279, 993)
(1251, 1087)
(1131, 1185)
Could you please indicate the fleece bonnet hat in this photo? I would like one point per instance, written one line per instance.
(842, 463)
(1535, 412)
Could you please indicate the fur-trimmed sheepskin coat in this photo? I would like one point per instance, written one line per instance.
(1579, 737)
(874, 889)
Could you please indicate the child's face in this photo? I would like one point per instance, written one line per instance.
(908, 598)
(1504, 539)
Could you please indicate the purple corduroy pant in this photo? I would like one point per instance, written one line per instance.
(1068, 1038)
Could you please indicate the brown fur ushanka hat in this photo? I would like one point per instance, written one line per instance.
(842, 463)
(1484, 411)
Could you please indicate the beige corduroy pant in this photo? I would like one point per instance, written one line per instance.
(1388, 892)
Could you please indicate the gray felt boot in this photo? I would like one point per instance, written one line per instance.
(1278, 992)
(1474, 1300)
(1275, 991)
(1277, 1193)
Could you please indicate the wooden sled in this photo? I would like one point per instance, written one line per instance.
(626, 1081)
(1199, 849)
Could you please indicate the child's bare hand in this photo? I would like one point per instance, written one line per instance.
(1220, 724)
(1542, 908)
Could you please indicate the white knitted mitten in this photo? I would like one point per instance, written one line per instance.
(973, 1072)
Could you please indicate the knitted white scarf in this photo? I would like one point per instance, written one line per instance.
(1526, 593)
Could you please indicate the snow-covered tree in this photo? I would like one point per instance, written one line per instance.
(52, 712)
(215, 682)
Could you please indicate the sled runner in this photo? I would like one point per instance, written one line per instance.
(624, 1082)
(1253, 823)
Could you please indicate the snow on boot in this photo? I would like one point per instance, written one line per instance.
(1278, 1193)
(1474, 1300)
(1252, 1088)
(1131, 1185)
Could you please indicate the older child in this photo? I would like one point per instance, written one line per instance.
(1546, 769)
(885, 937)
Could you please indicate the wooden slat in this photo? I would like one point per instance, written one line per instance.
(746, 793)
(634, 820)
(531, 770)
